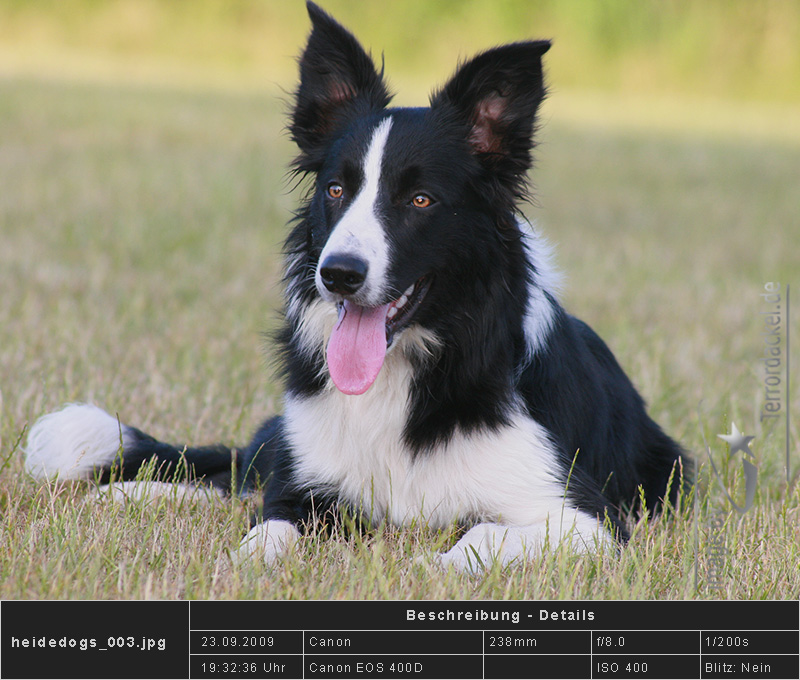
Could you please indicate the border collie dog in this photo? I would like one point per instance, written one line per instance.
(430, 373)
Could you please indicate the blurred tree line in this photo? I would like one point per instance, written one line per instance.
(743, 49)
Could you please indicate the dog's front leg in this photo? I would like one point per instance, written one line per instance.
(274, 530)
(487, 543)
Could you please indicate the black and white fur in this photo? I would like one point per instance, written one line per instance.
(493, 408)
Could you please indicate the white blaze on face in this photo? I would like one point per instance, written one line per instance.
(359, 232)
(357, 346)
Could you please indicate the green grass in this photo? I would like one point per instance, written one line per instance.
(138, 270)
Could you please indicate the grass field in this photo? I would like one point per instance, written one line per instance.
(139, 236)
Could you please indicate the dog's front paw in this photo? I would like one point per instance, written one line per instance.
(485, 544)
(488, 543)
(267, 542)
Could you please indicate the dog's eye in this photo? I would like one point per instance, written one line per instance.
(421, 201)
(335, 190)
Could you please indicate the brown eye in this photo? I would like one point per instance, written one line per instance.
(335, 190)
(421, 201)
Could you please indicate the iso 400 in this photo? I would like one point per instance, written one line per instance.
(614, 667)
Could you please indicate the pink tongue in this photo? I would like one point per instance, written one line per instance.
(357, 347)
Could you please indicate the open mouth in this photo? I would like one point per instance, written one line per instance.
(361, 336)
(401, 311)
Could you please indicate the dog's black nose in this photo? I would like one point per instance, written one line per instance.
(343, 274)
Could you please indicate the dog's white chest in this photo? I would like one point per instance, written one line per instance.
(352, 446)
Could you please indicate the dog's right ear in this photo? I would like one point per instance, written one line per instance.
(337, 80)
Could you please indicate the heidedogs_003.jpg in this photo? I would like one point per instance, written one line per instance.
(430, 372)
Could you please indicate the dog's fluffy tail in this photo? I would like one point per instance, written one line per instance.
(82, 441)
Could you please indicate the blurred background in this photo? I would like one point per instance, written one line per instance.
(709, 48)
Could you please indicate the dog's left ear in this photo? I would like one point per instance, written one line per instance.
(495, 97)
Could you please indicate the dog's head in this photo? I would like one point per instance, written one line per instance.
(406, 199)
